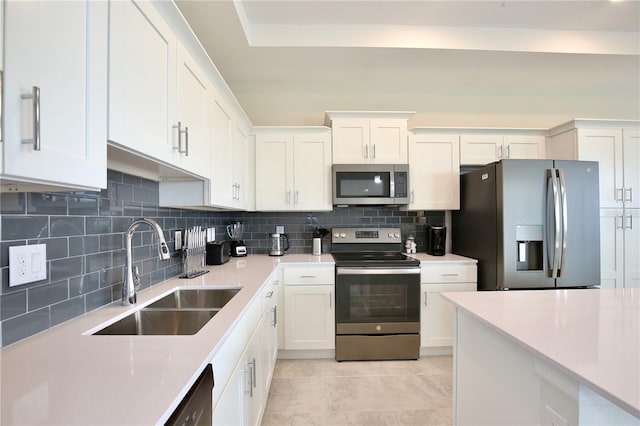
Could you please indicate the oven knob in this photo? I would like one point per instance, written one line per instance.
(336, 235)
(378, 327)
(390, 235)
(343, 235)
(396, 235)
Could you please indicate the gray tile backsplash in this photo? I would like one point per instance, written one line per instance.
(84, 234)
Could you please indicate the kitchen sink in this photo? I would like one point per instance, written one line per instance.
(195, 299)
(182, 312)
(160, 322)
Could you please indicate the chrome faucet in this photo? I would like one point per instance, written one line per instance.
(131, 274)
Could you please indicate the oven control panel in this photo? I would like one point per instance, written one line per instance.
(366, 235)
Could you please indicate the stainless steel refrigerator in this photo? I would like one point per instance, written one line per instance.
(531, 224)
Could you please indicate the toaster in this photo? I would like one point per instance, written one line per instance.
(217, 252)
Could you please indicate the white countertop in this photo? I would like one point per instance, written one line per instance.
(447, 258)
(592, 335)
(63, 376)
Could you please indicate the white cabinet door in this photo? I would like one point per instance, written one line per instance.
(309, 317)
(350, 141)
(229, 410)
(274, 171)
(361, 141)
(611, 248)
(631, 155)
(194, 115)
(60, 48)
(480, 149)
(222, 178)
(239, 186)
(605, 146)
(436, 324)
(524, 147)
(434, 167)
(293, 170)
(312, 171)
(142, 81)
(632, 248)
(388, 141)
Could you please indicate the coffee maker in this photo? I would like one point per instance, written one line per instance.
(436, 240)
(237, 246)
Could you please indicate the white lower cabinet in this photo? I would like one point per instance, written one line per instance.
(309, 317)
(244, 366)
(437, 315)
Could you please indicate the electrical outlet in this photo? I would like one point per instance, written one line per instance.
(279, 229)
(27, 264)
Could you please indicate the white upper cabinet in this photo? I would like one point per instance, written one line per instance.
(369, 137)
(55, 93)
(615, 145)
(434, 171)
(142, 80)
(293, 169)
(194, 98)
(222, 178)
(494, 145)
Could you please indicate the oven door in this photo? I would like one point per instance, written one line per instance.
(377, 300)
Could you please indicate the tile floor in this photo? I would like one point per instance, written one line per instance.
(326, 392)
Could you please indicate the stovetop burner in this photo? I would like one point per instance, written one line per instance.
(376, 247)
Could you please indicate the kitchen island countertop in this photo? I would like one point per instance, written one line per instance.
(591, 335)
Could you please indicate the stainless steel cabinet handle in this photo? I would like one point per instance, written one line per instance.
(413, 196)
(425, 298)
(253, 375)
(297, 197)
(500, 151)
(186, 141)
(275, 282)
(289, 197)
(450, 275)
(620, 224)
(248, 381)
(180, 132)
(35, 95)
(269, 295)
(373, 151)
(507, 151)
(630, 191)
(275, 315)
(330, 300)
(238, 189)
(630, 223)
(619, 194)
(366, 151)
(307, 276)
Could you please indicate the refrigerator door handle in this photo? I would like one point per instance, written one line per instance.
(565, 221)
(556, 223)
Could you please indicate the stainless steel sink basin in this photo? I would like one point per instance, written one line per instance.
(160, 322)
(195, 299)
(184, 311)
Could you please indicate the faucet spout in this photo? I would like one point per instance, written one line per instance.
(131, 279)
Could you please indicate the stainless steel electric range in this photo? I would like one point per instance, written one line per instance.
(377, 295)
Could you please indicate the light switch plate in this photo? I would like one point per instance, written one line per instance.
(279, 229)
(27, 264)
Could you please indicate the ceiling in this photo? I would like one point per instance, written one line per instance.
(456, 63)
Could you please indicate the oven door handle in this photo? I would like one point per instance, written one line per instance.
(376, 271)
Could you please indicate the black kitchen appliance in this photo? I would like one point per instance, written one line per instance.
(237, 246)
(218, 252)
(377, 295)
(436, 240)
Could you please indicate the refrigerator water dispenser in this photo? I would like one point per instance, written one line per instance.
(529, 255)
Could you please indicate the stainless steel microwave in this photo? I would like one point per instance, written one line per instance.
(370, 184)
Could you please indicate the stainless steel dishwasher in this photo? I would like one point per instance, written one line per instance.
(195, 408)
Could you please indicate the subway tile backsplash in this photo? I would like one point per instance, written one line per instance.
(84, 234)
